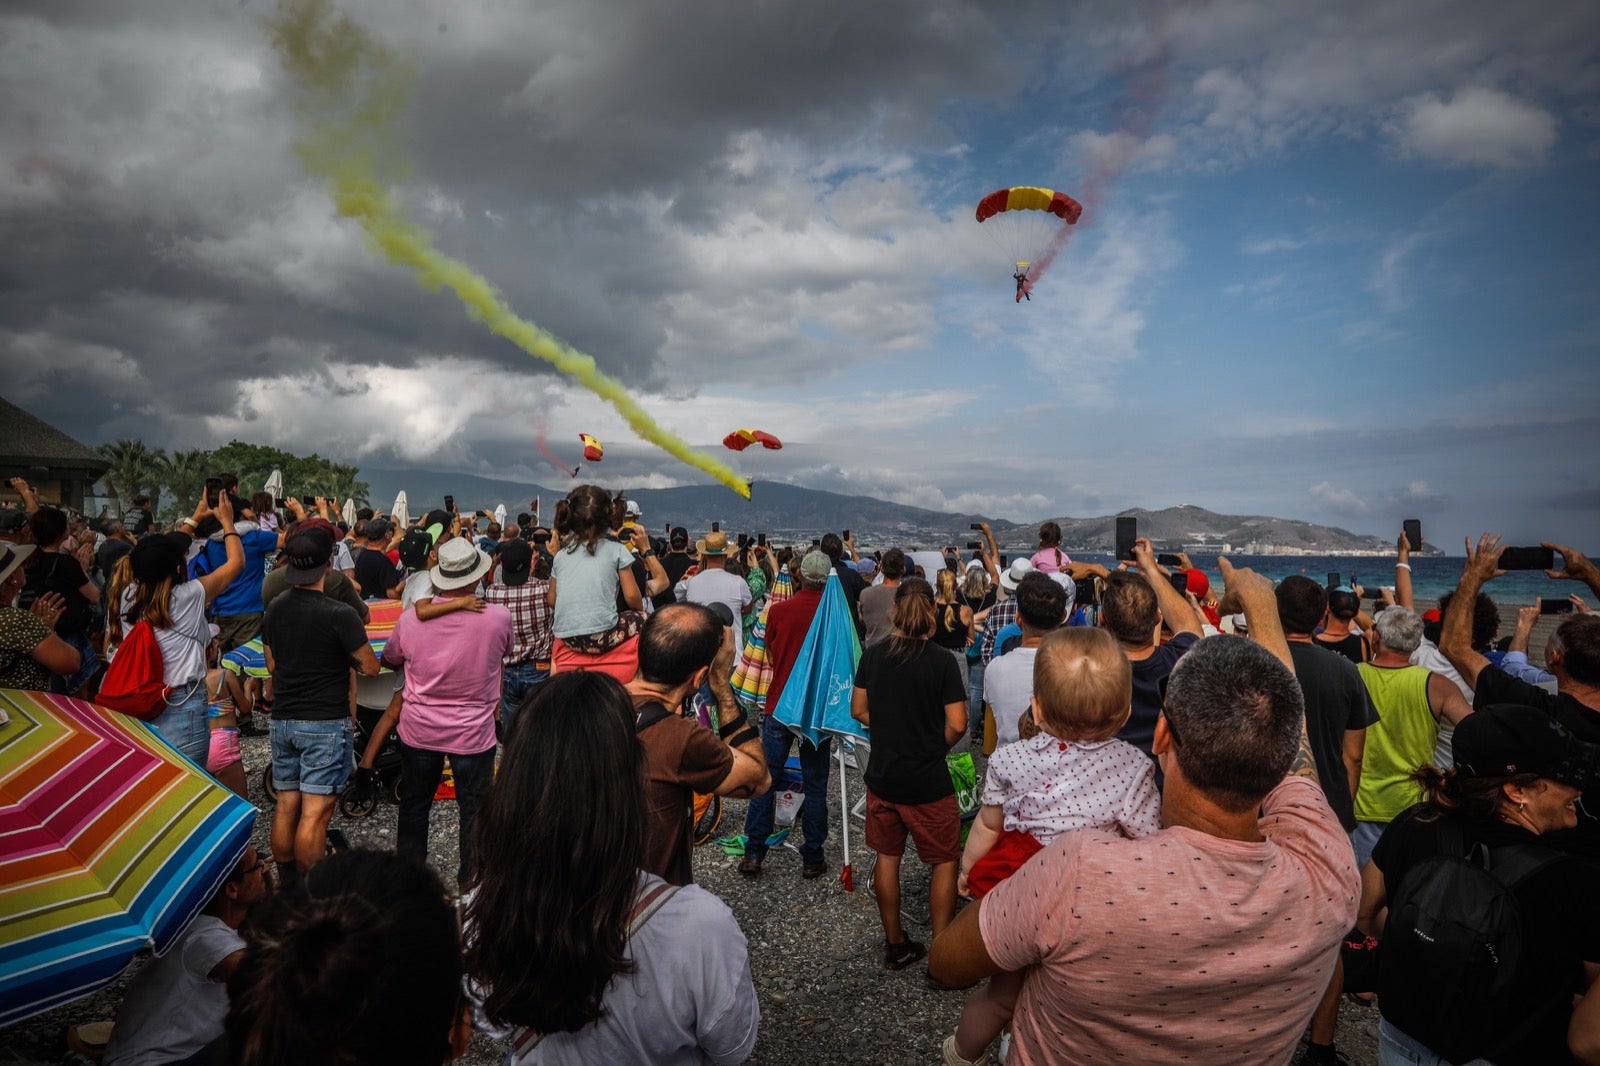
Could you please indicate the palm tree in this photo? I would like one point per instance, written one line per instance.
(184, 477)
(134, 469)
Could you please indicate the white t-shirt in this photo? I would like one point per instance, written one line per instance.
(173, 1008)
(690, 999)
(419, 586)
(1047, 786)
(183, 647)
(718, 586)
(1430, 657)
(1008, 689)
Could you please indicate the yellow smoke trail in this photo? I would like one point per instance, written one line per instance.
(350, 91)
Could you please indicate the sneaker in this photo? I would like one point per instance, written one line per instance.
(952, 1057)
(899, 956)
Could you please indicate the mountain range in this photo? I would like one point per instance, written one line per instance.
(792, 513)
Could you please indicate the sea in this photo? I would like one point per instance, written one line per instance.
(1431, 575)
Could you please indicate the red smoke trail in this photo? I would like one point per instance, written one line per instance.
(544, 450)
(1147, 86)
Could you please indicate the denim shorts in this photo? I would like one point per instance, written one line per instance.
(311, 756)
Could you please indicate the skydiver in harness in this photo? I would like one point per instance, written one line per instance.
(1022, 286)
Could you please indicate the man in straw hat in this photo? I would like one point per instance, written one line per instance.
(452, 698)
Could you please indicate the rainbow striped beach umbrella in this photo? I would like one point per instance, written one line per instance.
(110, 843)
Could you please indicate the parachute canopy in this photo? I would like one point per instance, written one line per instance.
(740, 439)
(1030, 198)
(593, 450)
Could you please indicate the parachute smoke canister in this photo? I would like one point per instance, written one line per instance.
(350, 92)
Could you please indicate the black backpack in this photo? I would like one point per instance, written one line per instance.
(1452, 946)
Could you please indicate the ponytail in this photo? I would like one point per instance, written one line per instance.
(913, 618)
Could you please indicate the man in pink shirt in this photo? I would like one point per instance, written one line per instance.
(451, 697)
(1212, 940)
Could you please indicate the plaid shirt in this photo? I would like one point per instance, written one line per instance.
(531, 619)
(1001, 615)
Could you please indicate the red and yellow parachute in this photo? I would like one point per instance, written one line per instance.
(1030, 198)
(740, 439)
(593, 450)
(1028, 225)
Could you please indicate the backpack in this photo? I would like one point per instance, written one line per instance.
(1452, 947)
(135, 682)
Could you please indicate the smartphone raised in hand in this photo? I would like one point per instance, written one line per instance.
(716, 527)
(974, 545)
(978, 526)
(1413, 531)
(1168, 559)
(213, 491)
(761, 540)
(1127, 533)
(1559, 606)
(845, 536)
(1535, 558)
(450, 504)
(1334, 580)
(1179, 582)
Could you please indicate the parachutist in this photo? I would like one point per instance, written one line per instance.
(1022, 286)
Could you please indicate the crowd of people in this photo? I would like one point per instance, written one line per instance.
(1197, 808)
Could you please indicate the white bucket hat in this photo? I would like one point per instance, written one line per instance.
(1012, 575)
(460, 565)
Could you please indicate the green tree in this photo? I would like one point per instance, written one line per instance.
(134, 469)
(183, 475)
(304, 476)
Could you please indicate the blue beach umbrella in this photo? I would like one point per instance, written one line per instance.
(816, 698)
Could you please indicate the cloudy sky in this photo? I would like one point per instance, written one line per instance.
(1337, 262)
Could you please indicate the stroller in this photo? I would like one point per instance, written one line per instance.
(362, 791)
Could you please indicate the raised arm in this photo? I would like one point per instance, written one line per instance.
(220, 578)
(1253, 593)
(1455, 634)
(1174, 608)
(1402, 573)
(1575, 566)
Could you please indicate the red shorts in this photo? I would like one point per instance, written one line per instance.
(935, 826)
(1004, 859)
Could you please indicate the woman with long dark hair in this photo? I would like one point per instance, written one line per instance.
(908, 692)
(585, 957)
(175, 607)
(1518, 775)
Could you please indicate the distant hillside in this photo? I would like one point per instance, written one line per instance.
(1175, 527)
(791, 512)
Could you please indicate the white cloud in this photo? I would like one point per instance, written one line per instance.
(1272, 245)
(1476, 127)
(1339, 499)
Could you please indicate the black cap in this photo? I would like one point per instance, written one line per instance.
(678, 538)
(1506, 739)
(308, 552)
(516, 562)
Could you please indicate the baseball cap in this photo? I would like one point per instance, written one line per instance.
(816, 566)
(308, 552)
(1508, 738)
(866, 567)
(679, 538)
(1195, 581)
(377, 527)
(516, 562)
(631, 509)
(12, 521)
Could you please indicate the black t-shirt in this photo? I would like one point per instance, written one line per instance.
(1352, 647)
(676, 565)
(1140, 729)
(1561, 929)
(1336, 703)
(853, 584)
(375, 574)
(109, 554)
(907, 702)
(312, 638)
(59, 572)
(1497, 686)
